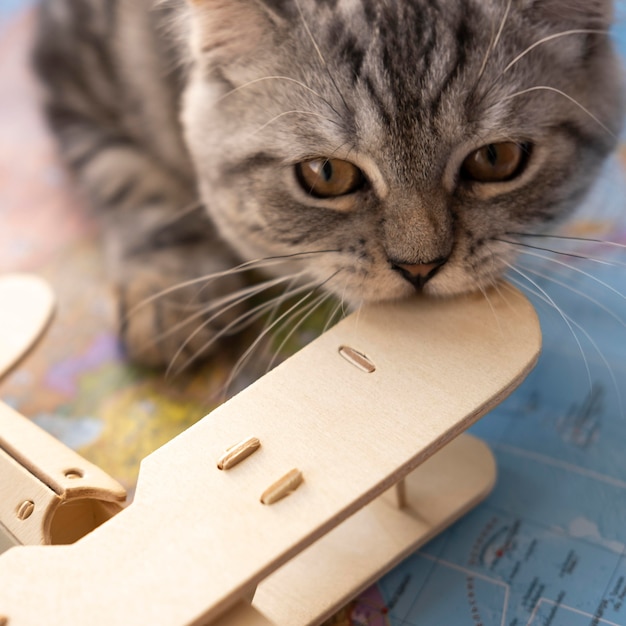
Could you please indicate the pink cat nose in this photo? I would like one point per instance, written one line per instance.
(418, 274)
(418, 269)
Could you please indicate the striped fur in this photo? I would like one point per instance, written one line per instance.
(161, 108)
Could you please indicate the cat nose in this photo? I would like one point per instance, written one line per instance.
(418, 274)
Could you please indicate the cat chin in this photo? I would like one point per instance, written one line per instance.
(431, 291)
(463, 284)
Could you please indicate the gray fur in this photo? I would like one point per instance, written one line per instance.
(154, 105)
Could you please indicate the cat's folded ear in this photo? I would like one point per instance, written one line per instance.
(231, 30)
(592, 14)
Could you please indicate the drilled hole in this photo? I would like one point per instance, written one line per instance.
(358, 359)
(74, 473)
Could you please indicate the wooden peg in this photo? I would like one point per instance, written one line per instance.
(237, 453)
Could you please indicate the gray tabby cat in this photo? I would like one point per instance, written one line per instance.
(376, 146)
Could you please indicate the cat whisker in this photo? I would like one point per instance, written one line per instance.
(578, 292)
(247, 266)
(485, 295)
(278, 77)
(573, 268)
(188, 209)
(559, 252)
(573, 323)
(565, 33)
(305, 313)
(569, 238)
(497, 283)
(222, 305)
(344, 311)
(287, 292)
(609, 369)
(494, 283)
(501, 286)
(564, 95)
(243, 321)
(319, 53)
(294, 112)
(494, 41)
(246, 355)
(555, 306)
(253, 346)
(331, 316)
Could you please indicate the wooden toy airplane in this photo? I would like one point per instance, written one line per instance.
(283, 503)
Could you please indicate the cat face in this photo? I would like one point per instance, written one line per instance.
(404, 142)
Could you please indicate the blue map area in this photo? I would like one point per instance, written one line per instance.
(548, 546)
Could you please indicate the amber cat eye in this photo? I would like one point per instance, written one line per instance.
(329, 178)
(496, 162)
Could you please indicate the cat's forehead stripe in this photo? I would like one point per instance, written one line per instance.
(367, 36)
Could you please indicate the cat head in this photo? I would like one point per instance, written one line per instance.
(406, 139)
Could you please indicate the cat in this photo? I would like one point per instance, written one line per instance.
(363, 148)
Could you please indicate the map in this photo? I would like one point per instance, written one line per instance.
(546, 548)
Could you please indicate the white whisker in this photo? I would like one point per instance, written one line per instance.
(190, 208)
(293, 112)
(573, 268)
(595, 346)
(244, 357)
(499, 286)
(319, 52)
(556, 308)
(584, 257)
(310, 34)
(278, 77)
(223, 304)
(332, 316)
(494, 41)
(618, 393)
(488, 299)
(246, 319)
(583, 295)
(570, 238)
(305, 313)
(286, 294)
(273, 312)
(579, 31)
(564, 95)
(247, 266)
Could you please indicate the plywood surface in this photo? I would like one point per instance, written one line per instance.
(352, 434)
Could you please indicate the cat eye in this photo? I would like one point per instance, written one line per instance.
(329, 178)
(496, 162)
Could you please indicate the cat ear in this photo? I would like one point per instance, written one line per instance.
(592, 14)
(230, 30)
